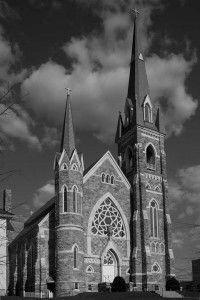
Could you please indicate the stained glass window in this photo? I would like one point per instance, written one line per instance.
(108, 259)
(108, 220)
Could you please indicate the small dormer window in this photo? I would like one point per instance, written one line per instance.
(147, 108)
(74, 167)
(64, 166)
(147, 113)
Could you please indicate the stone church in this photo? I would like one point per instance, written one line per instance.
(109, 219)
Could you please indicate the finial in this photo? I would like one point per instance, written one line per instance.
(68, 91)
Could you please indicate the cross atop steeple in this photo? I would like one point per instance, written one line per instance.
(68, 140)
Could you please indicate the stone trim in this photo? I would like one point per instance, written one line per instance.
(150, 136)
(108, 156)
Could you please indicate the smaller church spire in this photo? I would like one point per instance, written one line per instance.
(67, 140)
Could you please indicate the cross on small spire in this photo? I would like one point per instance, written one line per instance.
(68, 90)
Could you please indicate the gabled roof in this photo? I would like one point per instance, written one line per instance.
(90, 171)
(40, 212)
(35, 218)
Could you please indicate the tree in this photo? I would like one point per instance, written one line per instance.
(172, 284)
(118, 285)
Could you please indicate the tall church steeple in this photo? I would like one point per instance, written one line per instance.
(141, 155)
(138, 87)
(68, 140)
(139, 110)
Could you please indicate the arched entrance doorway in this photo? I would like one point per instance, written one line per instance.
(109, 266)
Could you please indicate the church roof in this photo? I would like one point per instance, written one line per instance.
(68, 140)
(40, 212)
(35, 217)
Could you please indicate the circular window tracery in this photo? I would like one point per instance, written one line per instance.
(107, 220)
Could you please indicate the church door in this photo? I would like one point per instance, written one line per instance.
(109, 267)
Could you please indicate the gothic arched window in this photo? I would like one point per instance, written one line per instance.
(64, 166)
(75, 256)
(150, 157)
(108, 178)
(112, 179)
(75, 199)
(147, 112)
(64, 199)
(103, 177)
(107, 220)
(154, 219)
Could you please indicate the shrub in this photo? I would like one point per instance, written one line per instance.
(172, 284)
(118, 285)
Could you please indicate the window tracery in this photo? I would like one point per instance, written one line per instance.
(155, 268)
(108, 219)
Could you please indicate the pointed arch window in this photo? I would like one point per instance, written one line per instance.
(112, 179)
(64, 166)
(64, 199)
(147, 112)
(103, 177)
(154, 219)
(75, 256)
(75, 199)
(108, 178)
(150, 157)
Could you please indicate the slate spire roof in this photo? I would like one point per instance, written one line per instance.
(68, 140)
(138, 87)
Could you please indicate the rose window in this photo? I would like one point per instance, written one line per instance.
(108, 221)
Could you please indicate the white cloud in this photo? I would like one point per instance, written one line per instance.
(167, 81)
(99, 76)
(16, 123)
(43, 194)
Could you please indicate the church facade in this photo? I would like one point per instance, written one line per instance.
(110, 219)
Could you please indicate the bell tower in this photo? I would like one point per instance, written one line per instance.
(141, 155)
(69, 243)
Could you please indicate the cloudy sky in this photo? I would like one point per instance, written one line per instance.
(46, 46)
